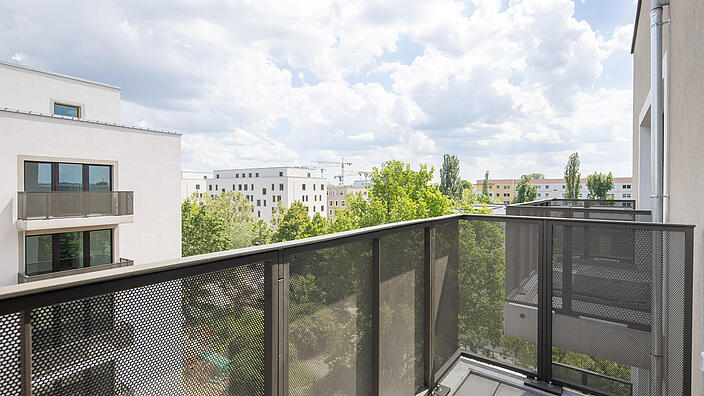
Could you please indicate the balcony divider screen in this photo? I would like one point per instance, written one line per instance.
(378, 311)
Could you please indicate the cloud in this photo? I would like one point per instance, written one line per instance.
(507, 86)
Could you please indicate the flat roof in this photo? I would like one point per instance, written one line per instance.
(112, 124)
(263, 167)
(26, 68)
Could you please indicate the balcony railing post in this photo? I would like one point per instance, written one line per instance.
(26, 353)
(545, 303)
(271, 326)
(376, 281)
(283, 294)
(429, 322)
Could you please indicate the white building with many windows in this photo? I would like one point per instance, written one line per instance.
(338, 196)
(79, 193)
(555, 188)
(265, 187)
(193, 182)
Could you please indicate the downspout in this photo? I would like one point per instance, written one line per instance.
(657, 195)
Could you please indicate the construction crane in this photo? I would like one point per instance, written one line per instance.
(342, 164)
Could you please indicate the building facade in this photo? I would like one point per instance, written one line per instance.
(682, 73)
(79, 193)
(337, 196)
(266, 187)
(194, 182)
(504, 190)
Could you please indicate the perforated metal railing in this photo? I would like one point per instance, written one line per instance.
(378, 311)
(61, 204)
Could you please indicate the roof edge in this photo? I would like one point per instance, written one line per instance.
(94, 122)
(27, 68)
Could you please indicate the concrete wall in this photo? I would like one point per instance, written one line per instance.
(27, 89)
(684, 129)
(148, 163)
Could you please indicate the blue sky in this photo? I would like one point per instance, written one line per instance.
(509, 86)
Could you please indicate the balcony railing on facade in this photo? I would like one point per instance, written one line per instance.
(64, 204)
(386, 310)
(24, 278)
(608, 209)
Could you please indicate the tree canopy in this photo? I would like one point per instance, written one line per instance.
(450, 177)
(525, 192)
(572, 177)
(485, 185)
(600, 184)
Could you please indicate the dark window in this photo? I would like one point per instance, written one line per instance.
(304, 187)
(265, 202)
(259, 214)
(322, 187)
(250, 174)
(281, 187)
(256, 174)
(239, 187)
(217, 175)
(197, 186)
(259, 202)
(68, 250)
(216, 187)
(263, 191)
(54, 176)
(245, 187)
(309, 175)
(252, 185)
(272, 187)
(322, 209)
(67, 110)
(210, 187)
(233, 187)
(237, 175)
(281, 174)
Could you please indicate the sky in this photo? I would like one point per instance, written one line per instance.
(509, 86)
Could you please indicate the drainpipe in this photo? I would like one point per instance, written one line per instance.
(657, 195)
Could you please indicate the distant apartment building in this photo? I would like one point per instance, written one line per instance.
(678, 128)
(338, 196)
(193, 182)
(80, 192)
(501, 190)
(265, 187)
(504, 190)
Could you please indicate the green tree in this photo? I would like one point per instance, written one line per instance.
(525, 192)
(572, 177)
(465, 185)
(450, 177)
(292, 223)
(236, 212)
(201, 231)
(536, 176)
(398, 193)
(600, 184)
(485, 186)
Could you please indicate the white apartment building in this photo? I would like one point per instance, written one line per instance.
(555, 188)
(265, 187)
(193, 182)
(337, 196)
(78, 193)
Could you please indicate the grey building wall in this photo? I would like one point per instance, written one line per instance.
(684, 128)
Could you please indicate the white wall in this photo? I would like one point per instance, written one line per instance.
(33, 90)
(190, 180)
(148, 163)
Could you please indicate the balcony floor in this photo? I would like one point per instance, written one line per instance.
(468, 377)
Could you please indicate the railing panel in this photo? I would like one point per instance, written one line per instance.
(604, 293)
(60, 204)
(330, 329)
(11, 354)
(401, 313)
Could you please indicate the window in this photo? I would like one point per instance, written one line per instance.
(252, 185)
(265, 202)
(67, 250)
(507, 187)
(217, 175)
(259, 213)
(245, 187)
(239, 187)
(216, 187)
(304, 187)
(53, 176)
(627, 187)
(67, 110)
(237, 175)
(322, 209)
(337, 203)
(308, 174)
(281, 187)
(322, 187)
(263, 191)
(343, 203)
(507, 195)
(490, 187)
(547, 194)
(278, 197)
(210, 187)
(563, 186)
(626, 195)
(256, 174)
(342, 192)
(272, 187)
(330, 211)
(197, 186)
(491, 194)
(233, 187)
(547, 187)
(250, 174)
(539, 195)
(313, 187)
(259, 202)
(223, 190)
(281, 174)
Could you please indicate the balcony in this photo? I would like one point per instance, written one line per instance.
(60, 209)
(461, 304)
(23, 278)
(609, 209)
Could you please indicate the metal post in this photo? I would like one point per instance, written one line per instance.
(376, 284)
(26, 353)
(283, 284)
(429, 322)
(545, 303)
(271, 328)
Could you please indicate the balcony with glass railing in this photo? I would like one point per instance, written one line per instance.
(38, 210)
(442, 304)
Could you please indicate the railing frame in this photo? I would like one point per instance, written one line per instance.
(276, 258)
